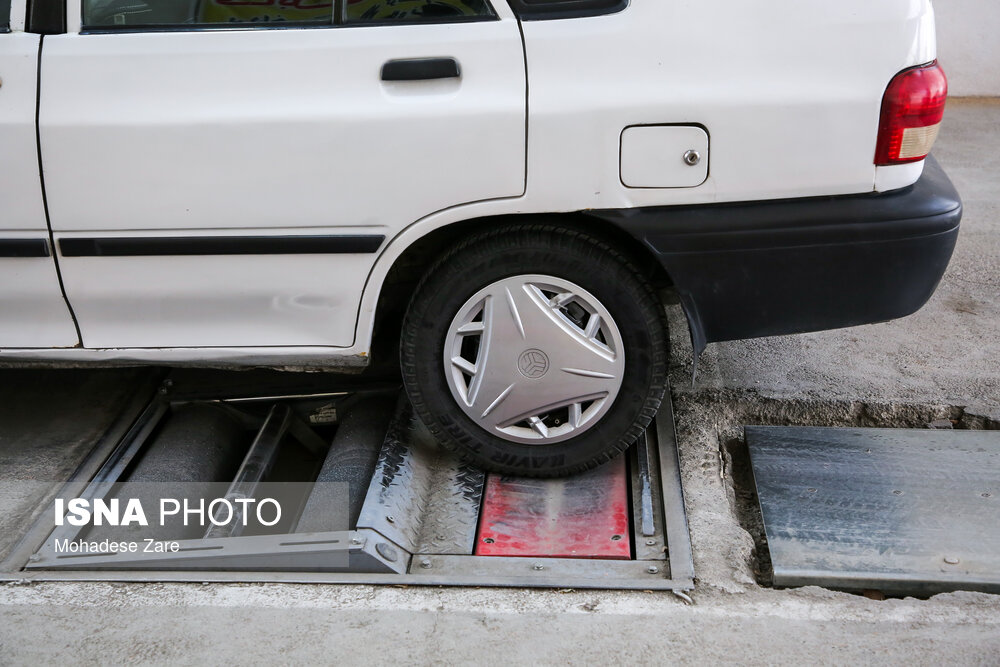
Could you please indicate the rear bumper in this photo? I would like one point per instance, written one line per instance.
(792, 266)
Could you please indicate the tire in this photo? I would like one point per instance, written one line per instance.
(508, 359)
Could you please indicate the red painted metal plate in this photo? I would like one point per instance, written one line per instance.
(586, 516)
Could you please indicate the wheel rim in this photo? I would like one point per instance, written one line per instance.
(534, 359)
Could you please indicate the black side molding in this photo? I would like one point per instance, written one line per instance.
(219, 245)
(421, 69)
(24, 248)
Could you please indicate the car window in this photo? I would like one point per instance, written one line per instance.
(274, 13)
(181, 13)
(558, 9)
(431, 11)
(4, 15)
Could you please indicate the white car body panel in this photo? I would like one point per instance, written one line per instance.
(897, 176)
(217, 301)
(265, 129)
(282, 132)
(790, 97)
(17, 16)
(20, 187)
(33, 312)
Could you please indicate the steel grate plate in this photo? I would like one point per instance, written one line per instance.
(912, 512)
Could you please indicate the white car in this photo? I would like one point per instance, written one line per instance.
(502, 185)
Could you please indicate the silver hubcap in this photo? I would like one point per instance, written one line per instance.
(534, 359)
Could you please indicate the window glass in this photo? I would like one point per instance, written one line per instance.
(427, 11)
(4, 15)
(166, 13)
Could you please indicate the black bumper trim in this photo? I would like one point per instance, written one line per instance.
(781, 267)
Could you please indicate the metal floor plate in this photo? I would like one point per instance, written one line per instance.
(584, 516)
(909, 512)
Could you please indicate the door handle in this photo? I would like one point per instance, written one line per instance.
(421, 69)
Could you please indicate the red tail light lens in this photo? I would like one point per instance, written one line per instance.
(912, 109)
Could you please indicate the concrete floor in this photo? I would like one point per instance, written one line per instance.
(942, 362)
(36, 451)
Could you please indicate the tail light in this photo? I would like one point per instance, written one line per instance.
(912, 109)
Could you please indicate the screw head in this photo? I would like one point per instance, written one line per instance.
(425, 563)
(650, 543)
(391, 519)
(652, 569)
(488, 540)
(537, 566)
(951, 560)
(616, 537)
(692, 157)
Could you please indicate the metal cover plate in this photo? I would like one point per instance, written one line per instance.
(421, 497)
(585, 516)
(904, 511)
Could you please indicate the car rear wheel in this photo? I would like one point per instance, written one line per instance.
(535, 350)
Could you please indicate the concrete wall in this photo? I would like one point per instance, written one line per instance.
(969, 45)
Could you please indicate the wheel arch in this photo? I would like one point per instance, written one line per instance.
(403, 271)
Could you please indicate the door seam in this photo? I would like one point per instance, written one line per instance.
(45, 200)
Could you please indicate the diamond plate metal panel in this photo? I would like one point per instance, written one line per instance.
(421, 497)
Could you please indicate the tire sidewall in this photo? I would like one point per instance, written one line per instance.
(465, 272)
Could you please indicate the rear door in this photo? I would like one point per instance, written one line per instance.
(33, 312)
(224, 172)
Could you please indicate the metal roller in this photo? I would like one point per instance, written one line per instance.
(193, 456)
(351, 460)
